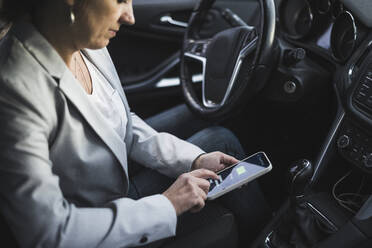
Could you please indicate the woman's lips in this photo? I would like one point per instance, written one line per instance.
(113, 32)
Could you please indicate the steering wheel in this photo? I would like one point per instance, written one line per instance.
(236, 62)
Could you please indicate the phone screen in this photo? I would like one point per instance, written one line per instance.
(240, 172)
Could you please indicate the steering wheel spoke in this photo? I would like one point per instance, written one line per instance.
(249, 48)
(197, 49)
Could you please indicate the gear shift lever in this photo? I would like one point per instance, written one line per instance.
(299, 174)
(298, 227)
(290, 231)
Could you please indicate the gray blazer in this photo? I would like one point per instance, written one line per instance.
(63, 173)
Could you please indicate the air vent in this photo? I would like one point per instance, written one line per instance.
(363, 94)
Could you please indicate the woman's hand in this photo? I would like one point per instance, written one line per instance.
(214, 161)
(190, 190)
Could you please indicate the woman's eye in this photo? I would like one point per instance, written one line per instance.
(122, 1)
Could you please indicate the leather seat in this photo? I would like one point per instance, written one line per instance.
(220, 233)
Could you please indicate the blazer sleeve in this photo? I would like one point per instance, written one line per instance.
(32, 201)
(161, 151)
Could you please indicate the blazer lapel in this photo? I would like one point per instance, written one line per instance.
(102, 60)
(74, 92)
(50, 60)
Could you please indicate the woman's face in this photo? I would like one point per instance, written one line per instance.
(98, 21)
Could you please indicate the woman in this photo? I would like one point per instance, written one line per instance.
(67, 132)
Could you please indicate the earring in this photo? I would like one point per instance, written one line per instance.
(72, 16)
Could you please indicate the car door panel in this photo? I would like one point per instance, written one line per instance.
(149, 15)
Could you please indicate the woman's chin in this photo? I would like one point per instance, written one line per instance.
(98, 45)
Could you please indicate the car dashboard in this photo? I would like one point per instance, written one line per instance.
(337, 35)
(327, 28)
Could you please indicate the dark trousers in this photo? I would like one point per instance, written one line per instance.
(247, 204)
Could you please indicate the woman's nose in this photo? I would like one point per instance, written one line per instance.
(127, 17)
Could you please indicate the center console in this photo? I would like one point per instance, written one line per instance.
(312, 218)
(307, 218)
(355, 145)
(317, 217)
(355, 134)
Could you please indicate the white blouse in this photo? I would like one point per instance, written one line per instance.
(107, 100)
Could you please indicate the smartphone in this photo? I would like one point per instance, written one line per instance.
(239, 174)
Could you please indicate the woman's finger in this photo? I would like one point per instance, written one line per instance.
(204, 173)
(228, 160)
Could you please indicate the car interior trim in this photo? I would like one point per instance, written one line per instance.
(314, 209)
(342, 25)
(362, 8)
(168, 19)
(154, 80)
(330, 140)
(172, 82)
(268, 240)
(359, 61)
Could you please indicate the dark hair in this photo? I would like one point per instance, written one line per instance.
(12, 10)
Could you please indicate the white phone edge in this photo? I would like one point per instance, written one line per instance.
(247, 180)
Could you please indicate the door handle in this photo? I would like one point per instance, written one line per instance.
(168, 19)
